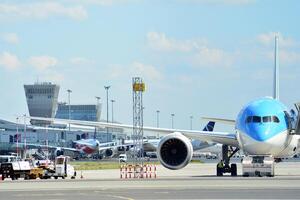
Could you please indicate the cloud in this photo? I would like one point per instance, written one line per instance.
(269, 39)
(138, 69)
(160, 42)
(11, 38)
(222, 2)
(9, 61)
(41, 10)
(81, 61)
(197, 51)
(42, 62)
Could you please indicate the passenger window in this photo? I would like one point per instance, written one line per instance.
(275, 119)
(256, 119)
(249, 118)
(267, 119)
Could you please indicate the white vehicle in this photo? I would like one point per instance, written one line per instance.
(258, 166)
(7, 158)
(63, 169)
(265, 127)
(123, 158)
(15, 170)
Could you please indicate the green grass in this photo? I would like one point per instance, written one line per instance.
(197, 161)
(95, 165)
(98, 165)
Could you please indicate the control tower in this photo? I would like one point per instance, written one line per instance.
(42, 101)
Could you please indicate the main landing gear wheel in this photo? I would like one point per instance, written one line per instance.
(219, 171)
(227, 153)
(233, 170)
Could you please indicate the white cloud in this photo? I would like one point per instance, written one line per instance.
(41, 10)
(9, 61)
(11, 38)
(42, 62)
(160, 42)
(197, 50)
(81, 61)
(269, 39)
(138, 69)
(224, 2)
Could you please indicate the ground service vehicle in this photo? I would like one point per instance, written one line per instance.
(63, 169)
(123, 158)
(258, 166)
(15, 170)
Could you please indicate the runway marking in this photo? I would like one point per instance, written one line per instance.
(120, 197)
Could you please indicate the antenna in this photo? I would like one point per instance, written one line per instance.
(276, 70)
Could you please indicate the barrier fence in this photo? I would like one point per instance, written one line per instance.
(138, 171)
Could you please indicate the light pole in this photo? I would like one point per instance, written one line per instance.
(191, 122)
(106, 88)
(98, 100)
(157, 118)
(112, 110)
(25, 151)
(157, 121)
(172, 115)
(17, 136)
(69, 102)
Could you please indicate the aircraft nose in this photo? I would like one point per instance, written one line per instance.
(259, 131)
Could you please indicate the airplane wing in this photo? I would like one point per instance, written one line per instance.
(217, 137)
(221, 120)
(29, 145)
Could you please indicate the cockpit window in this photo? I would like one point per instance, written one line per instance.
(275, 119)
(249, 119)
(256, 119)
(264, 119)
(267, 119)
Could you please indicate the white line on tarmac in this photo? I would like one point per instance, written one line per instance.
(120, 197)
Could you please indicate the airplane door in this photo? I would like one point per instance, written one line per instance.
(297, 126)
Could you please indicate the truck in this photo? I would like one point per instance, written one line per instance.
(258, 166)
(62, 168)
(15, 170)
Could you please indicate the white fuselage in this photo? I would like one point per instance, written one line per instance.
(281, 145)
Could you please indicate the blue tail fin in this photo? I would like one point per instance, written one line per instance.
(210, 126)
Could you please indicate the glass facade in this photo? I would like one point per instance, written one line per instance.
(78, 112)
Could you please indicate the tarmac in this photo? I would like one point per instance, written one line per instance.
(196, 181)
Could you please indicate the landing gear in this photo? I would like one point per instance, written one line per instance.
(225, 167)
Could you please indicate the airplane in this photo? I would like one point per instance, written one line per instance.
(263, 129)
(83, 146)
(109, 149)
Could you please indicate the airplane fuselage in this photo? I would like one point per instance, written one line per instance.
(263, 128)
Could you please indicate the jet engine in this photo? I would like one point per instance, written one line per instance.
(59, 152)
(175, 151)
(108, 153)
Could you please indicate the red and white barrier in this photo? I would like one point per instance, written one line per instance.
(138, 171)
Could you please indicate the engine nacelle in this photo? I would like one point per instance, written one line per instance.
(108, 153)
(175, 151)
(59, 152)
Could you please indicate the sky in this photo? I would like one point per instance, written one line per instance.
(197, 57)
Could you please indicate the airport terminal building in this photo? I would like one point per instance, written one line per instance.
(42, 101)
